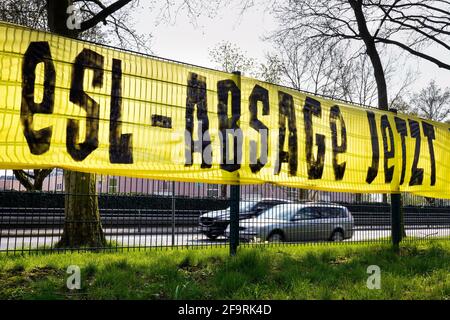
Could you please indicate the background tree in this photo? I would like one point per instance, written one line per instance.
(368, 24)
(116, 29)
(82, 224)
(32, 180)
(272, 70)
(228, 57)
(432, 102)
(82, 220)
(402, 106)
(107, 22)
(334, 70)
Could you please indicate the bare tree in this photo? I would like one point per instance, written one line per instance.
(402, 106)
(115, 29)
(29, 13)
(272, 70)
(432, 102)
(334, 71)
(32, 180)
(82, 224)
(368, 24)
(365, 25)
(229, 57)
(82, 220)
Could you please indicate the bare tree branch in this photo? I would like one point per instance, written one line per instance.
(102, 15)
(422, 55)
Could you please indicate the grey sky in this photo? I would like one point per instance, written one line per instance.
(188, 43)
(185, 42)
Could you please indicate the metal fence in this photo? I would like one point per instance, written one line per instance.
(141, 213)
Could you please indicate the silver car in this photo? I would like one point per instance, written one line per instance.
(214, 223)
(298, 222)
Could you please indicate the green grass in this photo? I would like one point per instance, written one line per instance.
(420, 271)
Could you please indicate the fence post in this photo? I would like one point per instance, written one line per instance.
(235, 191)
(173, 213)
(396, 215)
(396, 221)
(235, 195)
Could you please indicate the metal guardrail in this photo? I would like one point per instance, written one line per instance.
(11, 218)
(54, 217)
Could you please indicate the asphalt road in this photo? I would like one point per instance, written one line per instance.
(159, 237)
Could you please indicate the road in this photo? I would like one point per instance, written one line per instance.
(162, 237)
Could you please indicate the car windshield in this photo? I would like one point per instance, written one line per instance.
(279, 212)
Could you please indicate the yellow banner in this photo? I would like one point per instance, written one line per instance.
(74, 105)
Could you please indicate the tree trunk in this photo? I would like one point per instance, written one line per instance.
(303, 194)
(57, 17)
(82, 226)
(223, 191)
(372, 52)
(380, 79)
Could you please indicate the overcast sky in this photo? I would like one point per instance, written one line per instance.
(190, 43)
(186, 42)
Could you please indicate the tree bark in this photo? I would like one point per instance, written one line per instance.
(57, 17)
(82, 226)
(372, 52)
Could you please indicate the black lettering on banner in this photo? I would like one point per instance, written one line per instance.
(229, 125)
(388, 148)
(161, 121)
(120, 145)
(38, 140)
(402, 129)
(416, 173)
(336, 115)
(87, 59)
(196, 96)
(372, 172)
(428, 131)
(259, 94)
(286, 110)
(315, 166)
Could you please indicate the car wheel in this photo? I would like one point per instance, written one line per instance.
(212, 236)
(337, 236)
(275, 237)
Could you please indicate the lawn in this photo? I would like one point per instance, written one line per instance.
(420, 271)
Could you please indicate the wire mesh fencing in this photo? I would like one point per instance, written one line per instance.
(158, 95)
(142, 214)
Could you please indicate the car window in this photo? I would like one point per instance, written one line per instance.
(307, 213)
(332, 212)
(264, 205)
(246, 206)
(260, 206)
(279, 212)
